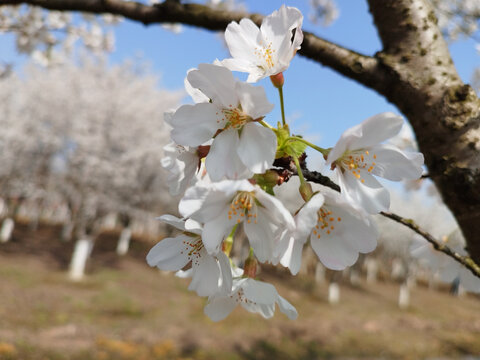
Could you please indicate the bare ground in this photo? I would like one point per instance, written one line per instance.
(126, 310)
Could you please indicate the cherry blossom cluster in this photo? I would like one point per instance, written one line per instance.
(221, 160)
(50, 36)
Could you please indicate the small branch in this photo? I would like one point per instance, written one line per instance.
(362, 68)
(316, 177)
(464, 260)
(313, 176)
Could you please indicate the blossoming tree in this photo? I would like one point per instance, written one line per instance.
(227, 159)
(72, 134)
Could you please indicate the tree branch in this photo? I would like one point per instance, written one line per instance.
(440, 246)
(362, 68)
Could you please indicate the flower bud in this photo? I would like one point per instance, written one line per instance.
(306, 191)
(250, 267)
(277, 80)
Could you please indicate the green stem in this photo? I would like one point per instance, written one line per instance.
(313, 146)
(229, 241)
(263, 123)
(299, 170)
(282, 107)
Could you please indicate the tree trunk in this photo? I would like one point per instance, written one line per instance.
(124, 241)
(7, 230)
(444, 112)
(81, 253)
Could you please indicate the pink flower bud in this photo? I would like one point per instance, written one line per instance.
(277, 80)
(250, 267)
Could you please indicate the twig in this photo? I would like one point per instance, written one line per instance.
(440, 246)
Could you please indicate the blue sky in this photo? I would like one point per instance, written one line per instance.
(320, 103)
(318, 100)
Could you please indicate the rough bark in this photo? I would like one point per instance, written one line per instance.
(414, 71)
(444, 112)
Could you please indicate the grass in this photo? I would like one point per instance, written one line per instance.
(127, 311)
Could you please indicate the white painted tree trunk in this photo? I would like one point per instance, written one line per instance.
(319, 273)
(81, 253)
(412, 280)
(7, 230)
(398, 270)
(433, 281)
(333, 293)
(110, 221)
(3, 208)
(124, 241)
(372, 270)
(404, 297)
(354, 277)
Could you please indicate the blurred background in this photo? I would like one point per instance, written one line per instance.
(82, 100)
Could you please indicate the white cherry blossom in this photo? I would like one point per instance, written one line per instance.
(182, 163)
(241, 146)
(254, 296)
(210, 273)
(266, 51)
(358, 155)
(220, 206)
(337, 232)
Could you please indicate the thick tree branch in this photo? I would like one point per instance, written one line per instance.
(444, 112)
(361, 68)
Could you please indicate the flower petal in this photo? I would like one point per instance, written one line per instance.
(307, 216)
(173, 220)
(241, 39)
(275, 210)
(279, 25)
(168, 254)
(242, 65)
(377, 129)
(292, 258)
(216, 82)
(370, 194)
(222, 159)
(195, 94)
(194, 124)
(253, 100)
(226, 273)
(393, 164)
(205, 275)
(218, 308)
(334, 254)
(257, 147)
(193, 199)
(370, 132)
(259, 292)
(287, 308)
(216, 229)
(260, 237)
